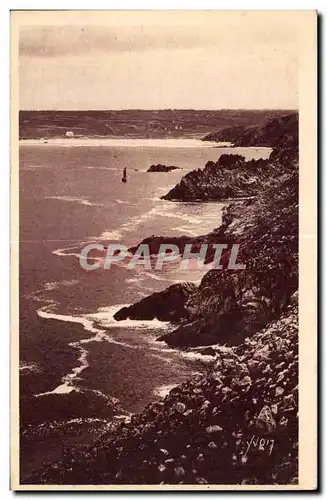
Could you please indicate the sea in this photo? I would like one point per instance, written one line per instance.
(74, 356)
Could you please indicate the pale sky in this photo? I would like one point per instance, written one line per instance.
(156, 60)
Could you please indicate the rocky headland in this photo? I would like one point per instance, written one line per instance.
(228, 178)
(237, 424)
(275, 132)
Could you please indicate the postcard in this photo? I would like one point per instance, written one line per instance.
(163, 250)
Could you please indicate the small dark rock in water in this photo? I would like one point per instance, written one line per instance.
(162, 168)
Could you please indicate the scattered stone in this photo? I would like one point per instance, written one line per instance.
(214, 428)
(180, 407)
(179, 471)
(201, 480)
(265, 420)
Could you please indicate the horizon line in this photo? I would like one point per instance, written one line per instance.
(162, 109)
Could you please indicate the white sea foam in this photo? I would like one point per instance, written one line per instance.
(84, 321)
(185, 230)
(164, 390)
(54, 285)
(105, 318)
(26, 368)
(110, 235)
(204, 358)
(65, 252)
(74, 199)
(131, 224)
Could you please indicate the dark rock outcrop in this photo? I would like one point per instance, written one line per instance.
(168, 305)
(230, 177)
(162, 168)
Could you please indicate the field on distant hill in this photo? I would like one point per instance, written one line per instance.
(137, 123)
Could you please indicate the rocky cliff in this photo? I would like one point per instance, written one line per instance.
(275, 132)
(238, 423)
(229, 177)
(228, 305)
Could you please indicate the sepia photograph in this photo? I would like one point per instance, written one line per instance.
(163, 206)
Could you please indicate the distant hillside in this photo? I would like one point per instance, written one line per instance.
(138, 123)
(276, 132)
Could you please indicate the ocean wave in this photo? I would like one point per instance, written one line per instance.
(105, 318)
(82, 320)
(74, 199)
(185, 230)
(66, 252)
(163, 390)
(110, 235)
(33, 167)
(131, 224)
(55, 285)
(26, 368)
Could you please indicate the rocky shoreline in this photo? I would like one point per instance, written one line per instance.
(229, 178)
(238, 423)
